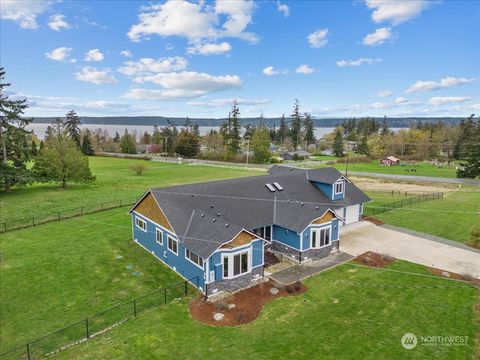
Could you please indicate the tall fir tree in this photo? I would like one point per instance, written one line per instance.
(261, 145)
(385, 129)
(282, 129)
(72, 126)
(14, 150)
(362, 147)
(87, 147)
(309, 129)
(127, 146)
(33, 148)
(471, 168)
(296, 125)
(230, 131)
(338, 143)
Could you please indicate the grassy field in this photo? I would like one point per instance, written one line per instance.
(423, 169)
(61, 272)
(115, 180)
(452, 217)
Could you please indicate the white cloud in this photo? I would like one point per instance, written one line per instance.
(195, 20)
(442, 100)
(199, 48)
(146, 66)
(444, 83)
(396, 11)
(95, 76)
(475, 106)
(59, 54)
(126, 53)
(305, 69)
(318, 38)
(227, 102)
(401, 100)
(270, 71)
(58, 22)
(23, 12)
(185, 84)
(385, 93)
(283, 8)
(358, 62)
(378, 37)
(94, 55)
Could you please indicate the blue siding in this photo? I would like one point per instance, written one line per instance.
(215, 261)
(327, 189)
(306, 233)
(339, 196)
(287, 237)
(178, 262)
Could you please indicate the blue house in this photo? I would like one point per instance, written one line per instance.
(216, 234)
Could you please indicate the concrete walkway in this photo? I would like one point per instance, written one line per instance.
(416, 178)
(364, 236)
(300, 272)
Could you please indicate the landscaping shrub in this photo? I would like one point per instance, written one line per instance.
(290, 289)
(297, 285)
(475, 236)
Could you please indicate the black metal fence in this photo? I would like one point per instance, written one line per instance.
(99, 323)
(379, 209)
(38, 219)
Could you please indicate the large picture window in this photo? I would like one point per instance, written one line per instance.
(236, 264)
(197, 260)
(172, 245)
(139, 223)
(320, 237)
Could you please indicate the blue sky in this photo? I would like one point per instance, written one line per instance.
(178, 58)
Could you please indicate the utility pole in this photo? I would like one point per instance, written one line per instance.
(346, 162)
(248, 149)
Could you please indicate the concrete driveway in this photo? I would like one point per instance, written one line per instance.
(364, 236)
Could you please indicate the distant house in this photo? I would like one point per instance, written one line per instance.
(390, 161)
(301, 154)
(216, 234)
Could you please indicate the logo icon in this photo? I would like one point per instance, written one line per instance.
(409, 341)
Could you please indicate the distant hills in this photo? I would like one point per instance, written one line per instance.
(162, 121)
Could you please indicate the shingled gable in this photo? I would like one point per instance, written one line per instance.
(148, 206)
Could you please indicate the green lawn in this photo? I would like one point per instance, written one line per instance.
(452, 217)
(423, 169)
(115, 180)
(374, 309)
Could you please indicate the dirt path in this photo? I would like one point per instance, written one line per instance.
(369, 184)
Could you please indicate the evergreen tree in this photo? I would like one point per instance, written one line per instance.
(338, 143)
(385, 130)
(471, 169)
(14, 151)
(157, 136)
(296, 125)
(127, 146)
(116, 138)
(187, 144)
(196, 130)
(33, 148)
(363, 146)
(61, 161)
(87, 148)
(309, 130)
(465, 137)
(146, 138)
(72, 126)
(261, 145)
(282, 130)
(230, 131)
(248, 132)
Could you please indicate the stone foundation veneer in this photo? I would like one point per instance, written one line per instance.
(236, 284)
(306, 255)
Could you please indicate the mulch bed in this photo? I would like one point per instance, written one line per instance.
(248, 304)
(455, 276)
(374, 259)
(373, 220)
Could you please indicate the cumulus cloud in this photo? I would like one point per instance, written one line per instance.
(378, 37)
(126, 53)
(146, 66)
(396, 11)
(57, 22)
(401, 100)
(24, 12)
(442, 100)
(385, 93)
(270, 71)
(444, 83)
(358, 62)
(195, 20)
(304, 69)
(283, 8)
(318, 38)
(199, 48)
(59, 54)
(182, 85)
(95, 76)
(227, 102)
(94, 55)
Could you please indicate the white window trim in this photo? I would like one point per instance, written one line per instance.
(194, 263)
(157, 230)
(168, 244)
(230, 263)
(137, 220)
(341, 182)
(318, 240)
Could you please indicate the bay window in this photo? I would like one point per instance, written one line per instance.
(320, 237)
(236, 264)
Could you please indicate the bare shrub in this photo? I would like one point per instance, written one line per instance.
(139, 168)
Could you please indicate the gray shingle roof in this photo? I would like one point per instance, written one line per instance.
(246, 203)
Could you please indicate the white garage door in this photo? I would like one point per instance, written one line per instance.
(353, 214)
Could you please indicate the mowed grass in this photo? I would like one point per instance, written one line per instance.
(452, 217)
(349, 312)
(115, 181)
(423, 169)
(59, 273)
